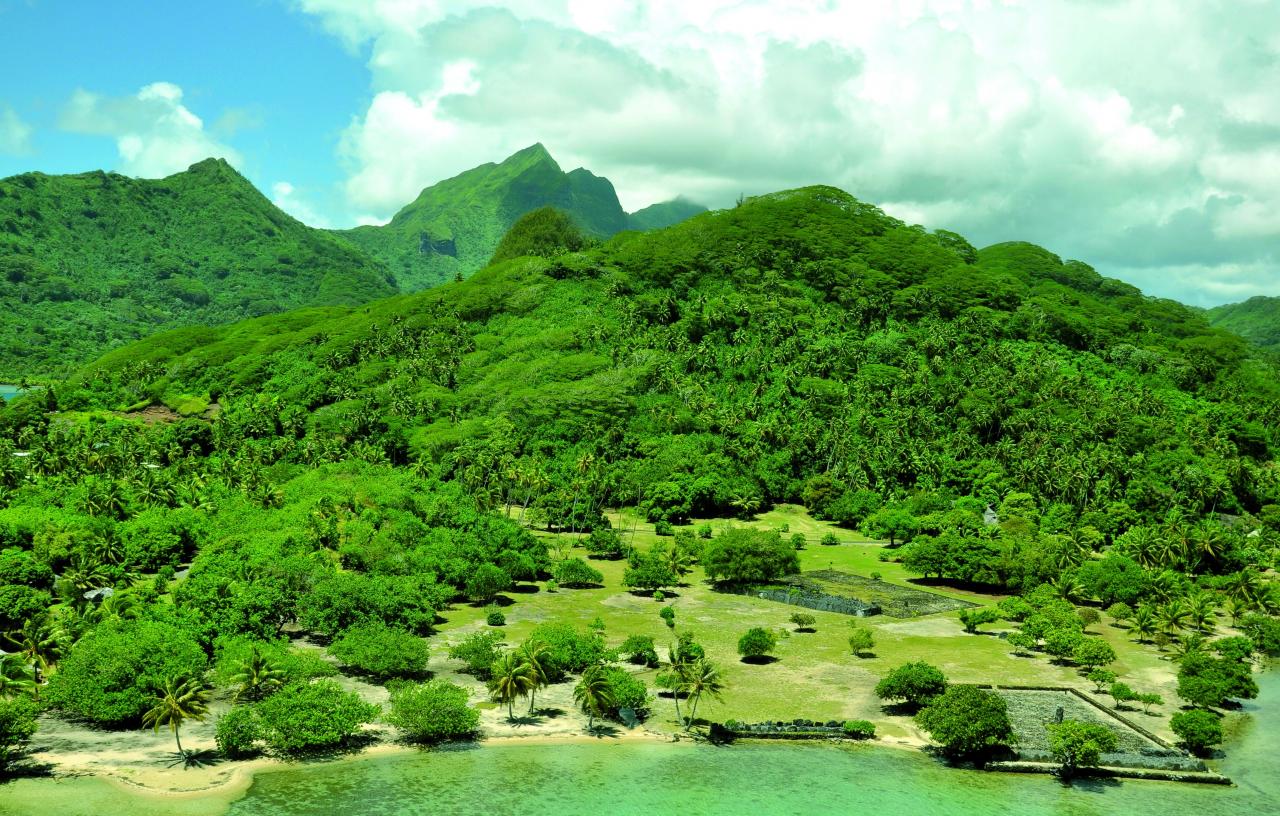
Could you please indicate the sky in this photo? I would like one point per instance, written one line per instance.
(1140, 136)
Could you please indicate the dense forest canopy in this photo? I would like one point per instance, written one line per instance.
(1256, 319)
(91, 261)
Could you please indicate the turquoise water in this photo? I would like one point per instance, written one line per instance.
(8, 392)
(654, 779)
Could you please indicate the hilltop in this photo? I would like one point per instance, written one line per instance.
(94, 260)
(453, 227)
(1256, 319)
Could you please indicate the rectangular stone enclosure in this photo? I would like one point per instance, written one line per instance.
(835, 591)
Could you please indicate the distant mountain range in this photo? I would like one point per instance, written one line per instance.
(452, 227)
(1257, 320)
(91, 261)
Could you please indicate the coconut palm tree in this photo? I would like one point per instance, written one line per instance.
(1144, 623)
(593, 694)
(16, 677)
(701, 678)
(1171, 618)
(39, 643)
(534, 655)
(510, 679)
(181, 699)
(258, 677)
(1201, 608)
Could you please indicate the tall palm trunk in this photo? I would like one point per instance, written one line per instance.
(178, 739)
(676, 696)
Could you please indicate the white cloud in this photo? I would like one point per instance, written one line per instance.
(1135, 134)
(288, 198)
(156, 135)
(15, 134)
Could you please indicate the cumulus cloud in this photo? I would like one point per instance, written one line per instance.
(15, 134)
(1138, 135)
(288, 198)
(155, 133)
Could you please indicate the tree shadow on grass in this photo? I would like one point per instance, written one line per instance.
(760, 660)
(195, 759)
(602, 730)
(525, 589)
(648, 593)
(26, 769)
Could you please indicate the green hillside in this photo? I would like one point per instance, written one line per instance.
(95, 260)
(801, 347)
(453, 227)
(1257, 320)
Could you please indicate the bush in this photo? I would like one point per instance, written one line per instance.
(434, 711)
(627, 691)
(568, 650)
(486, 581)
(1198, 730)
(494, 617)
(1077, 744)
(1093, 652)
(111, 674)
(744, 556)
(17, 725)
(640, 650)
(861, 641)
(478, 651)
(1015, 609)
(704, 531)
(829, 540)
(574, 572)
(971, 619)
(757, 643)
(1101, 679)
(381, 652)
(604, 543)
(859, 729)
(967, 721)
(668, 615)
(237, 733)
(231, 653)
(553, 584)
(304, 717)
(804, 621)
(1088, 616)
(1120, 611)
(648, 571)
(798, 540)
(663, 527)
(915, 684)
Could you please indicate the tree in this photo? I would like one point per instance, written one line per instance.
(17, 725)
(478, 651)
(304, 717)
(1121, 693)
(593, 694)
(973, 618)
(1021, 642)
(237, 732)
(967, 721)
(915, 684)
(648, 572)
(640, 650)
(533, 654)
(1061, 642)
(743, 555)
(1120, 612)
(574, 572)
(1088, 616)
(1207, 681)
(861, 641)
(1093, 652)
(699, 679)
(1075, 745)
(892, 524)
(1148, 700)
(1144, 623)
(432, 711)
(486, 582)
(17, 679)
(381, 652)
(179, 700)
(1101, 678)
(258, 676)
(1199, 730)
(756, 644)
(509, 679)
(803, 621)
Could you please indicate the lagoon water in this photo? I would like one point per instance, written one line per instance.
(8, 392)
(612, 779)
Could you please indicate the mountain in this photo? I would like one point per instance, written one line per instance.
(803, 346)
(91, 261)
(1257, 320)
(453, 227)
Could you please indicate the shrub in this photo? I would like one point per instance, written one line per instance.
(604, 543)
(1093, 652)
(971, 619)
(915, 684)
(433, 711)
(967, 721)
(659, 595)
(17, 725)
(804, 621)
(486, 581)
(237, 733)
(553, 584)
(381, 652)
(1088, 616)
(663, 527)
(829, 540)
(1077, 744)
(494, 617)
(627, 691)
(478, 651)
(574, 572)
(1021, 642)
(861, 641)
(304, 717)
(640, 650)
(1015, 609)
(798, 540)
(1120, 611)
(1199, 730)
(568, 650)
(859, 729)
(1101, 678)
(1121, 693)
(704, 531)
(668, 615)
(232, 653)
(757, 643)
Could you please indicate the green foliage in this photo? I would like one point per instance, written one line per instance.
(17, 725)
(1254, 319)
(493, 616)
(478, 651)
(545, 232)
(915, 684)
(649, 571)
(297, 665)
(757, 643)
(568, 650)
(111, 674)
(381, 652)
(668, 615)
(859, 729)
(640, 650)
(1121, 693)
(432, 711)
(1062, 641)
(743, 555)
(345, 599)
(305, 717)
(804, 622)
(605, 543)
(574, 572)
(1199, 730)
(967, 721)
(626, 691)
(973, 618)
(1090, 653)
(1207, 681)
(1120, 611)
(1101, 679)
(1076, 745)
(861, 641)
(486, 582)
(237, 732)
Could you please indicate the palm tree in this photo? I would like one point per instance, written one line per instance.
(1171, 618)
(1144, 623)
(593, 694)
(39, 643)
(16, 677)
(701, 677)
(181, 699)
(533, 654)
(1200, 608)
(511, 679)
(257, 676)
